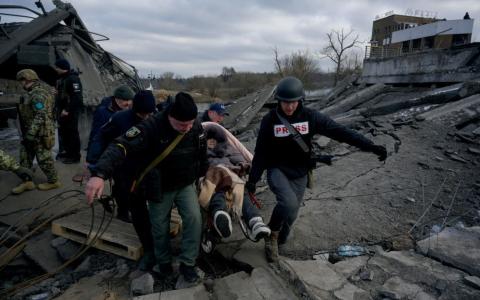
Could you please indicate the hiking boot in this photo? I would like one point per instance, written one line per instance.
(258, 229)
(271, 247)
(49, 185)
(147, 262)
(222, 223)
(22, 187)
(189, 273)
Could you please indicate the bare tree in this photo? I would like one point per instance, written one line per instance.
(227, 73)
(338, 43)
(300, 64)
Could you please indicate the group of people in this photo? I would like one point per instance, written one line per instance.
(162, 157)
(174, 157)
(39, 109)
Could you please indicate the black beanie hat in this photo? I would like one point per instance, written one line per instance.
(183, 108)
(62, 64)
(143, 102)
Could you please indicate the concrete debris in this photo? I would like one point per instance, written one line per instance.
(142, 285)
(455, 246)
(473, 281)
(194, 293)
(66, 249)
(474, 150)
(39, 250)
(396, 288)
(354, 100)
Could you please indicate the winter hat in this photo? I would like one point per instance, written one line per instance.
(123, 92)
(183, 108)
(143, 102)
(62, 64)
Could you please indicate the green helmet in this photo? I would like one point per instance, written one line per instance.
(289, 89)
(27, 74)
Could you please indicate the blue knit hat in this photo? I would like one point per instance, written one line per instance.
(144, 102)
(62, 64)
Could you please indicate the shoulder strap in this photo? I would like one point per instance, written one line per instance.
(297, 137)
(156, 161)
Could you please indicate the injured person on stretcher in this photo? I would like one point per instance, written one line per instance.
(222, 192)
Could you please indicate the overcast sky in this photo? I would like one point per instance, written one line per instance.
(191, 37)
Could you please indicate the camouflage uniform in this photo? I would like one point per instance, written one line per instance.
(36, 118)
(8, 163)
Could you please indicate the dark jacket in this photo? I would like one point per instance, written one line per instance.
(69, 93)
(203, 117)
(276, 148)
(147, 141)
(103, 112)
(118, 124)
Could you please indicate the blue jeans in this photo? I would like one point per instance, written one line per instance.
(186, 202)
(289, 194)
(249, 210)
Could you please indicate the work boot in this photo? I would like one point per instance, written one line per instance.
(163, 270)
(271, 247)
(258, 229)
(222, 223)
(49, 185)
(189, 273)
(22, 187)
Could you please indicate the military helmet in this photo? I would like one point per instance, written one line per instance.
(289, 89)
(27, 74)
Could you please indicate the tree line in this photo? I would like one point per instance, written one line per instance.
(342, 50)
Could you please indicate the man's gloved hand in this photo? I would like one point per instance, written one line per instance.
(380, 151)
(250, 187)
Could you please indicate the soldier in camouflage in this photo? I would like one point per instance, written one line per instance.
(8, 163)
(38, 130)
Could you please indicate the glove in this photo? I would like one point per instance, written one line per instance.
(250, 187)
(380, 151)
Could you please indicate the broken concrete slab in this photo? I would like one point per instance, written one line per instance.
(354, 100)
(142, 285)
(350, 266)
(455, 246)
(415, 266)
(262, 284)
(473, 281)
(313, 277)
(243, 110)
(454, 112)
(66, 249)
(40, 250)
(96, 287)
(252, 254)
(350, 291)
(474, 150)
(396, 288)
(194, 293)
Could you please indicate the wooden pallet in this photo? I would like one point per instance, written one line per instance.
(119, 238)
